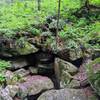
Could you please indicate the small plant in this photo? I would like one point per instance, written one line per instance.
(7, 33)
(16, 78)
(2, 79)
(34, 31)
(4, 64)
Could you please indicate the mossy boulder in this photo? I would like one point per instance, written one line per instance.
(67, 70)
(67, 50)
(23, 47)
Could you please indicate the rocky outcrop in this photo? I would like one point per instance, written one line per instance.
(67, 70)
(63, 94)
(34, 85)
(69, 50)
(66, 66)
(35, 51)
(12, 89)
(18, 63)
(22, 72)
(8, 93)
(15, 47)
(23, 47)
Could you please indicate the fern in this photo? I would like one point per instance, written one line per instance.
(94, 78)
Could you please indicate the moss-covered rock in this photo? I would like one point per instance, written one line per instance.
(23, 47)
(67, 70)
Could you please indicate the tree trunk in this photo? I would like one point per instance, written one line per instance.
(39, 5)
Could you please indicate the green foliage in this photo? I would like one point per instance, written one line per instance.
(69, 34)
(82, 30)
(2, 78)
(17, 78)
(54, 24)
(22, 15)
(94, 78)
(19, 14)
(15, 16)
(4, 64)
(7, 33)
(95, 2)
(34, 31)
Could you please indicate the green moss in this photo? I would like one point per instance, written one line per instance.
(23, 47)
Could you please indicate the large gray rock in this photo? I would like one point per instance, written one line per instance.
(9, 92)
(65, 49)
(16, 47)
(9, 75)
(5, 54)
(12, 89)
(66, 66)
(74, 84)
(70, 54)
(21, 72)
(63, 94)
(34, 85)
(12, 78)
(19, 63)
(4, 94)
(75, 53)
(69, 50)
(67, 70)
(33, 70)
